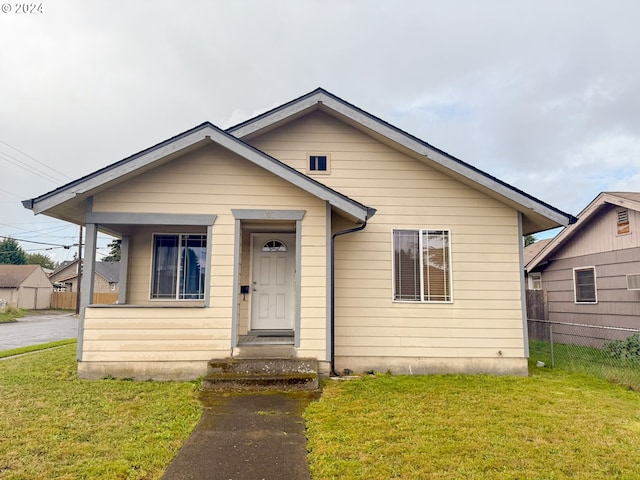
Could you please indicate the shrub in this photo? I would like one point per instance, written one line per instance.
(628, 348)
(9, 313)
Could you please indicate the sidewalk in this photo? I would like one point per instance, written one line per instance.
(245, 437)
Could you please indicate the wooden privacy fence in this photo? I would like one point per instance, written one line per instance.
(67, 300)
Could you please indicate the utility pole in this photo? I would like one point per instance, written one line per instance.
(79, 272)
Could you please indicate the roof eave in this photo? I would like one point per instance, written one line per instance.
(583, 218)
(184, 141)
(332, 104)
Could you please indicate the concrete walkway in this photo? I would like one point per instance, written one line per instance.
(36, 329)
(245, 437)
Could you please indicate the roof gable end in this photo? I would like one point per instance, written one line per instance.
(200, 135)
(320, 99)
(630, 200)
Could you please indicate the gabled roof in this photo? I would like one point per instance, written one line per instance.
(62, 266)
(110, 271)
(537, 214)
(630, 200)
(67, 202)
(534, 249)
(12, 276)
(53, 203)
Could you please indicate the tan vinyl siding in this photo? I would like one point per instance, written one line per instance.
(213, 181)
(408, 194)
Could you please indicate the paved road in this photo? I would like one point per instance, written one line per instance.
(36, 329)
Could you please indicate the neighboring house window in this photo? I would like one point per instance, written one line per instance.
(623, 221)
(318, 164)
(535, 281)
(422, 266)
(178, 267)
(584, 281)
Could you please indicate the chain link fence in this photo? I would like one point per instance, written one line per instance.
(612, 353)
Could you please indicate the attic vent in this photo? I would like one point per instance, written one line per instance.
(633, 282)
(623, 221)
(319, 163)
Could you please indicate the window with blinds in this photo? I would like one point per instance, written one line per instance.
(422, 265)
(584, 281)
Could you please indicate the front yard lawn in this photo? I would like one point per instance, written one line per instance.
(551, 425)
(56, 426)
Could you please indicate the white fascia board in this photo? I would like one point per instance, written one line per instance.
(376, 125)
(275, 116)
(420, 148)
(117, 171)
(290, 175)
(221, 138)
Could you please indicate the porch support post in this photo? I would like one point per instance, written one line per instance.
(207, 277)
(298, 280)
(124, 267)
(523, 295)
(237, 247)
(89, 267)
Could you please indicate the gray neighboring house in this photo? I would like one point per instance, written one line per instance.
(533, 280)
(590, 272)
(107, 277)
(25, 286)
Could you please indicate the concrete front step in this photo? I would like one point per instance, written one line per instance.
(262, 374)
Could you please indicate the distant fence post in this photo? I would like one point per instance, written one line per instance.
(551, 342)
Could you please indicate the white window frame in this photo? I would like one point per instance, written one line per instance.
(420, 232)
(176, 298)
(575, 286)
(535, 277)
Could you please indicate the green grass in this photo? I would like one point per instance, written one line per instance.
(552, 425)
(9, 314)
(35, 348)
(593, 361)
(56, 426)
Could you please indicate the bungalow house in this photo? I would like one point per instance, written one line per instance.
(25, 286)
(315, 229)
(590, 272)
(107, 277)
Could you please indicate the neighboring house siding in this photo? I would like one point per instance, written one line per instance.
(11, 295)
(68, 275)
(33, 292)
(616, 305)
(213, 181)
(601, 235)
(485, 318)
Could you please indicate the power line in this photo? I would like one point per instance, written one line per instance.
(39, 243)
(10, 193)
(24, 166)
(36, 160)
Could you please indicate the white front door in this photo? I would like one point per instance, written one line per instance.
(272, 281)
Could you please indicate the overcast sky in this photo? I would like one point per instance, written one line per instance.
(542, 94)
